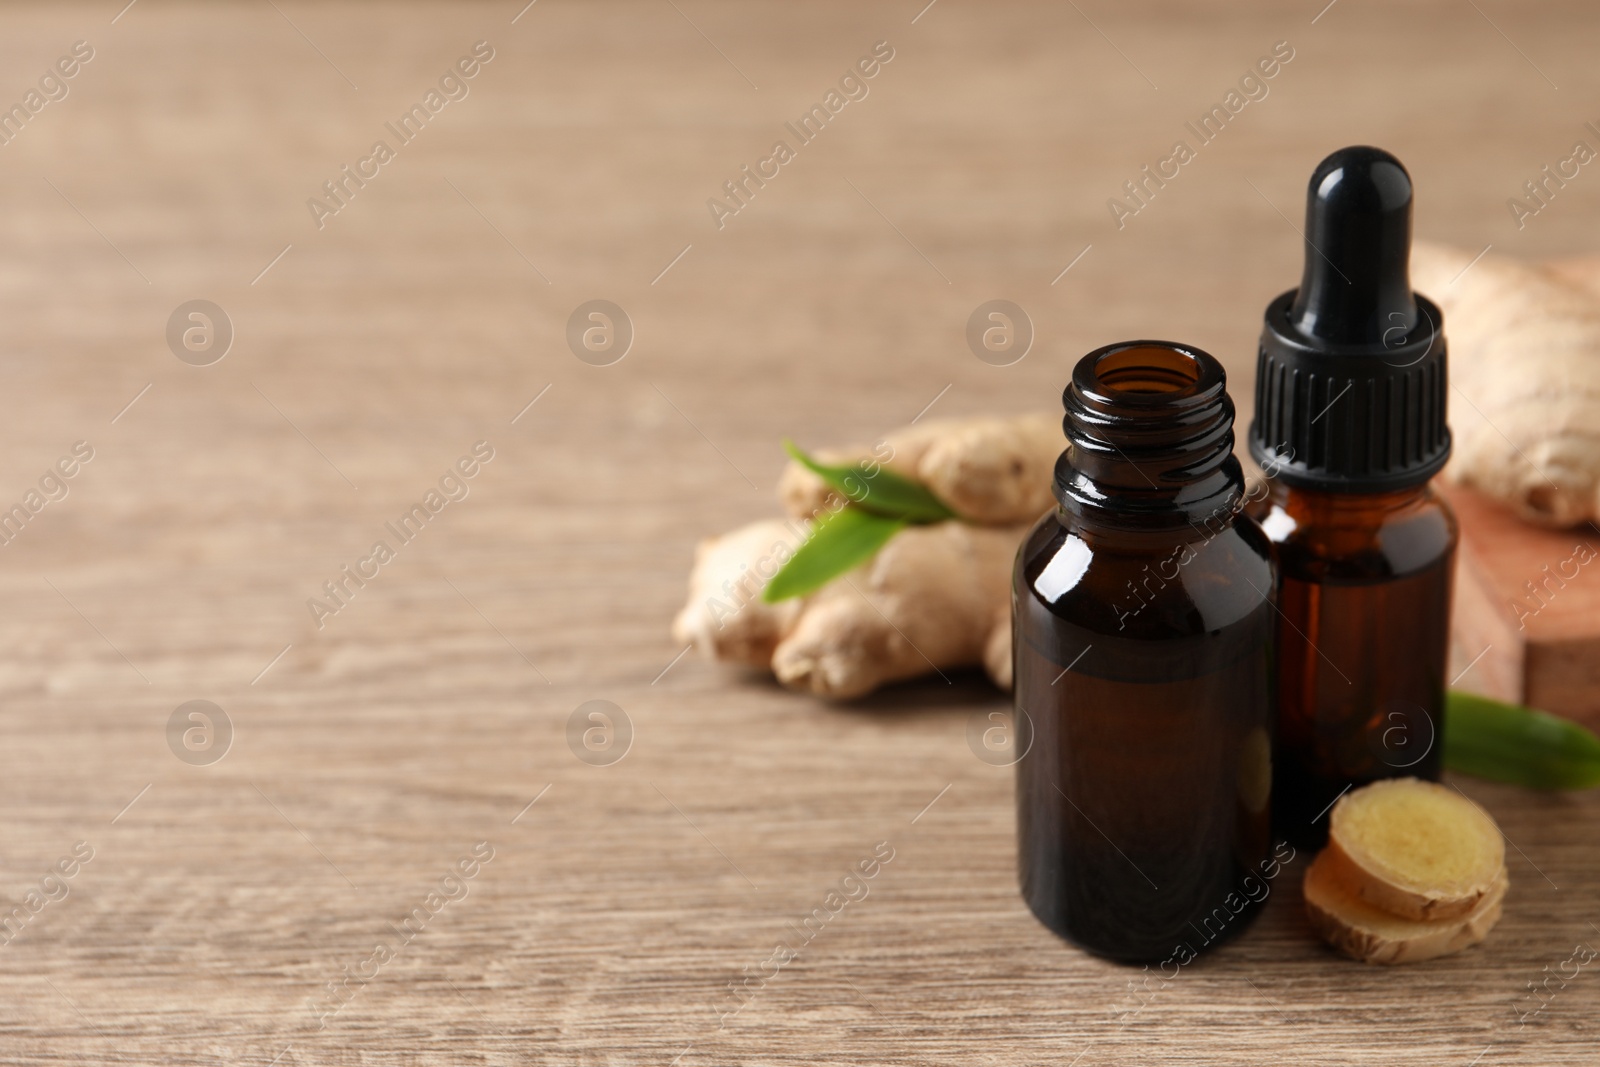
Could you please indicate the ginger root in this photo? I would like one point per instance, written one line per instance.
(1415, 849)
(725, 616)
(988, 470)
(935, 598)
(1372, 935)
(1525, 371)
(925, 602)
(1413, 870)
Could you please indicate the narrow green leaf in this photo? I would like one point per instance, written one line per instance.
(1509, 743)
(839, 543)
(883, 491)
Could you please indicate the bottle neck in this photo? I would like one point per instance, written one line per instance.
(1321, 507)
(1150, 430)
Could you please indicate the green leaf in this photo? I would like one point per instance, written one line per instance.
(840, 542)
(882, 491)
(1509, 743)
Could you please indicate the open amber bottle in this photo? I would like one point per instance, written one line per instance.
(1143, 643)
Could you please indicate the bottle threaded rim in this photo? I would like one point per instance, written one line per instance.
(1150, 425)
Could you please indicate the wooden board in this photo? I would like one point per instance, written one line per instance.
(371, 755)
(1527, 612)
(1527, 615)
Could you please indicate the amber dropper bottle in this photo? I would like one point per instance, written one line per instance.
(1349, 427)
(1143, 653)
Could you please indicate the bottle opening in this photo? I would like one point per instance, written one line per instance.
(1146, 369)
(1147, 421)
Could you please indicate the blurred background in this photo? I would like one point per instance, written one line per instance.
(349, 355)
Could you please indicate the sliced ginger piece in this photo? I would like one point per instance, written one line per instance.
(1371, 935)
(1415, 849)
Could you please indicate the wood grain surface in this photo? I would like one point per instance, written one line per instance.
(371, 756)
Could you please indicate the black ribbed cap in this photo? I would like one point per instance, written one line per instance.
(1351, 377)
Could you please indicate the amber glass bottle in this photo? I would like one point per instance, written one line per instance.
(1364, 587)
(1350, 426)
(1143, 645)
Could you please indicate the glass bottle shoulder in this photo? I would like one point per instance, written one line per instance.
(1354, 537)
(1187, 582)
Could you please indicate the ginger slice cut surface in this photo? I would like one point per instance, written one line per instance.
(1372, 935)
(1415, 849)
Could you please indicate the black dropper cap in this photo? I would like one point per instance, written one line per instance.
(1351, 378)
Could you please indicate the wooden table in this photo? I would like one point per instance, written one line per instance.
(426, 715)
